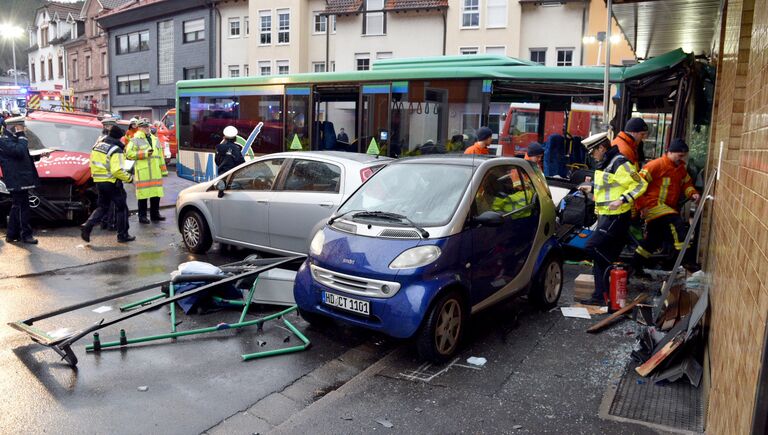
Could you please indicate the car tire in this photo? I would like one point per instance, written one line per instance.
(440, 335)
(314, 319)
(195, 232)
(548, 283)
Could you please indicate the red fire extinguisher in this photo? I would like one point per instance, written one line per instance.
(618, 289)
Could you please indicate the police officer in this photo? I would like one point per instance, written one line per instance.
(616, 187)
(20, 176)
(228, 152)
(148, 171)
(108, 221)
(107, 171)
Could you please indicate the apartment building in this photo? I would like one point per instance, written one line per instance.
(87, 58)
(54, 24)
(152, 45)
(234, 38)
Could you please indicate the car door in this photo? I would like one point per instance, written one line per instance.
(498, 253)
(244, 209)
(310, 192)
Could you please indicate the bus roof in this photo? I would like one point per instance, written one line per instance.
(492, 67)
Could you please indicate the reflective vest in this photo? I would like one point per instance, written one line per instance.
(107, 164)
(515, 201)
(149, 170)
(666, 183)
(618, 180)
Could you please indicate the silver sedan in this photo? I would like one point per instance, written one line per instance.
(271, 203)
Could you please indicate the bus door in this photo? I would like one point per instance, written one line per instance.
(298, 118)
(335, 115)
(374, 119)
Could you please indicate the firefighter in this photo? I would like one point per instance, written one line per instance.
(107, 171)
(630, 141)
(148, 171)
(668, 180)
(228, 152)
(133, 127)
(20, 176)
(535, 154)
(484, 138)
(616, 187)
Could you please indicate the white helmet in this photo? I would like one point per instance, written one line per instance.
(230, 132)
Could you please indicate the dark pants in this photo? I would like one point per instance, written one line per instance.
(605, 246)
(154, 207)
(18, 218)
(111, 194)
(669, 228)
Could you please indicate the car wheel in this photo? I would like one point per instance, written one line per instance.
(440, 335)
(314, 319)
(548, 284)
(195, 232)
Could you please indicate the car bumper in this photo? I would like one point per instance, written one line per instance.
(398, 316)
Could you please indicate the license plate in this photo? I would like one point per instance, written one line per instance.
(345, 303)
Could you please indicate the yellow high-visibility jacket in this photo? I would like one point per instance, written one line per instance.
(617, 180)
(107, 164)
(149, 170)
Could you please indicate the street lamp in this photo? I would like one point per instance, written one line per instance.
(10, 31)
(600, 38)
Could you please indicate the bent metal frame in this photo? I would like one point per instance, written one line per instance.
(247, 268)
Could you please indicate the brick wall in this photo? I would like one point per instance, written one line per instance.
(738, 240)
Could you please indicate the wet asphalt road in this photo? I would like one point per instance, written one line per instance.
(193, 383)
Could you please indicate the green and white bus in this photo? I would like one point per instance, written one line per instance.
(404, 107)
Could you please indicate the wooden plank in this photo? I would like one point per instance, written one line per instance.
(610, 319)
(660, 356)
(669, 317)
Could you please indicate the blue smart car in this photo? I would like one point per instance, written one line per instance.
(428, 241)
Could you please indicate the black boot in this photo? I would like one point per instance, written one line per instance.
(85, 232)
(29, 240)
(157, 218)
(143, 220)
(126, 239)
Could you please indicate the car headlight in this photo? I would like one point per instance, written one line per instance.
(416, 257)
(316, 247)
(3, 189)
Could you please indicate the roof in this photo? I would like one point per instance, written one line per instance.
(62, 8)
(338, 7)
(112, 4)
(478, 67)
(655, 27)
(143, 10)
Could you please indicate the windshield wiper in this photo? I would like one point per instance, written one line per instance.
(393, 216)
(339, 216)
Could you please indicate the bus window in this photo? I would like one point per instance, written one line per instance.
(659, 132)
(297, 121)
(375, 119)
(262, 108)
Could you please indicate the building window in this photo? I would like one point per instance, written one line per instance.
(104, 64)
(333, 65)
(247, 25)
(282, 67)
(470, 13)
(384, 55)
(502, 50)
(95, 28)
(464, 51)
(234, 27)
(265, 27)
(194, 30)
(194, 73)
(42, 70)
(265, 68)
(133, 84)
(88, 67)
(496, 11)
(246, 70)
(362, 62)
(165, 52)
(133, 42)
(539, 55)
(234, 70)
(32, 72)
(374, 23)
(50, 68)
(321, 23)
(74, 69)
(318, 67)
(283, 26)
(44, 37)
(61, 67)
(564, 56)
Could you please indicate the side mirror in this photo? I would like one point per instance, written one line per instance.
(221, 186)
(489, 219)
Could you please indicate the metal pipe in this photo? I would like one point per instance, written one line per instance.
(219, 327)
(127, 307)
(607, 78)
(173, 308)
(284, 351)
(248, 300)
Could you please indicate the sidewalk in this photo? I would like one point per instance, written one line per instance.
(172, 185)
(544, 374)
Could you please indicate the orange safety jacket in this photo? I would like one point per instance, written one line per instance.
(666, 182)
(627, 148)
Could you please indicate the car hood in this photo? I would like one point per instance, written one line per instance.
(65, 164)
